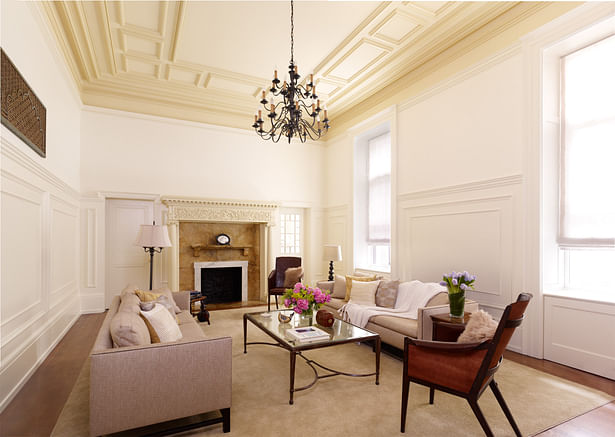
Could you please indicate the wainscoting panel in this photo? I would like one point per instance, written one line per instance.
(579, 334)
(92, 254)
(40, 295)
(473, 227)
(339, 231)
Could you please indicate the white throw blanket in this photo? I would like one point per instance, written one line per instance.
(410, 297)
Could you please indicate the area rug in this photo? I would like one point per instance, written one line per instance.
(344, 406)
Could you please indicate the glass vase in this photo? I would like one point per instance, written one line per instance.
(307, 317)
(456, 303)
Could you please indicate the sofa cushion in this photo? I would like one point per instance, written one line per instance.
(407, 327)
(363, 292)
(292, 275)
(386, 295)
(335, 303)
(163, 323)
(339, 287)
(129, 303)
(127, 328)
(192, 330)
(350, 278)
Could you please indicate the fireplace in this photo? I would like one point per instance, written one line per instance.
(222, 281)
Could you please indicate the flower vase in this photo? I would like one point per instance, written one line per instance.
(456, 303)
(307, 317)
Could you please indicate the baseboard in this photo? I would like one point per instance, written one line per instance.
(7, 400)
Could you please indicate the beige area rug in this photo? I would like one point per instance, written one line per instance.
(344, 406)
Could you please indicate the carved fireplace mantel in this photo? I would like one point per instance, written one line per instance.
(181, 209)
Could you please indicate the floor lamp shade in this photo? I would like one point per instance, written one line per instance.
(332, 253)
(153, 238)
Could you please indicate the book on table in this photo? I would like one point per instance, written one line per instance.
(307, 334)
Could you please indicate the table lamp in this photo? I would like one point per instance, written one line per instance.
(153, 238)
(332, 253)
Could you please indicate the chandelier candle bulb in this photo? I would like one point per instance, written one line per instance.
(275, 74)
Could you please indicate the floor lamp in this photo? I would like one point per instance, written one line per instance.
(332, 253)
(153, 238)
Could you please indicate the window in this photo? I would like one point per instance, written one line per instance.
(372, 195)
(587, 180)
(587, 191)
(290, 233)
(379, 200)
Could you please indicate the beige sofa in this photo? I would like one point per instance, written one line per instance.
(135, 386)
(393, 329)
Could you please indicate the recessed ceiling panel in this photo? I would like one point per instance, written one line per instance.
(183, 75)
(141, 67)
(357, 60)
(217, 82)
(138, 44)
(142, 14)
(254, 37)
(395, 28)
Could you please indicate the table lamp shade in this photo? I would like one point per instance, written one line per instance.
(333, 253)
(153, 236)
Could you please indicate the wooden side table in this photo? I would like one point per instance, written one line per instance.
(447, 328)
(201, 313)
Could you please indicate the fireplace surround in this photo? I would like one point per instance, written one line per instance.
(190, 210)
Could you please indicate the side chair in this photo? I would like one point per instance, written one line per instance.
(275, 281)
(462, 369)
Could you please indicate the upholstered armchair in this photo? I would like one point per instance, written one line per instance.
(462, 369)
(275, 281)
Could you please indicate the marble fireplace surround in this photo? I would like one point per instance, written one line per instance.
(220, 211)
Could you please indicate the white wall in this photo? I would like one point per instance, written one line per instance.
(458, 176)
(39, 299)
(124, 152)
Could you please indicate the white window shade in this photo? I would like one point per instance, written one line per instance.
(379, 191)
(587, 199)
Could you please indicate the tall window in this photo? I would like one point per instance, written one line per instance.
(379, 200)
(290, 233)
(587, 171)
(372, 200)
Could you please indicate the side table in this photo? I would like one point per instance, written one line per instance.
(447, 328)
(201, 313)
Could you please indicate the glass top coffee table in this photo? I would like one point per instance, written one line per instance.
(340, 333)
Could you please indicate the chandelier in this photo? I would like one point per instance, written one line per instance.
(296, 112)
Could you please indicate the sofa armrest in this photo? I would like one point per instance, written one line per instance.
(425, 325)
(182, 299)
(137, 386)
(325, 285)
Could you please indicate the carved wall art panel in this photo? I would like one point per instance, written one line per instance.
(22, 112)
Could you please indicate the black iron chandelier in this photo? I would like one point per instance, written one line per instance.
(297, 113)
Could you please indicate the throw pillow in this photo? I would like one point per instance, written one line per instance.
(128, 329)
(480, 327)
(363, 292)
(147, 306)
(292, 275)
(168, 293)
(163, 323)
(349, 280)
(147, 296)
(386, 295)
(339, 287)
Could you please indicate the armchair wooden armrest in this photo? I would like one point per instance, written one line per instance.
(449, 346)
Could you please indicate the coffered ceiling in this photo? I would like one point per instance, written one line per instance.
(208, 61)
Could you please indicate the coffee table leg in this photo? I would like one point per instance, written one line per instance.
(293, 360)
(245, 333)
(378, 361)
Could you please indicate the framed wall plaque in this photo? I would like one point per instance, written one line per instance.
(22, 112)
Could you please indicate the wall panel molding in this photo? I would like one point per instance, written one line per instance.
(40, 274)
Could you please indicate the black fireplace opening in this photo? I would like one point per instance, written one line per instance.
(221, 284)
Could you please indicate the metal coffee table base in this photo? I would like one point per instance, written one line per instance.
(313, 364)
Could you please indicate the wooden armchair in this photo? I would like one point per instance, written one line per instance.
(462, 369)
(275, 281)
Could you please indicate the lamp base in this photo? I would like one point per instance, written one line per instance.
(331, 277)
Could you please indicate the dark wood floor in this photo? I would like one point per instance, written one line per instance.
(36, 408)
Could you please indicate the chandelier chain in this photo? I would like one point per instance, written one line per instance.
(292, 32)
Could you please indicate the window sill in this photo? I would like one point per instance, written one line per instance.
(605, 296)
(379, 270)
